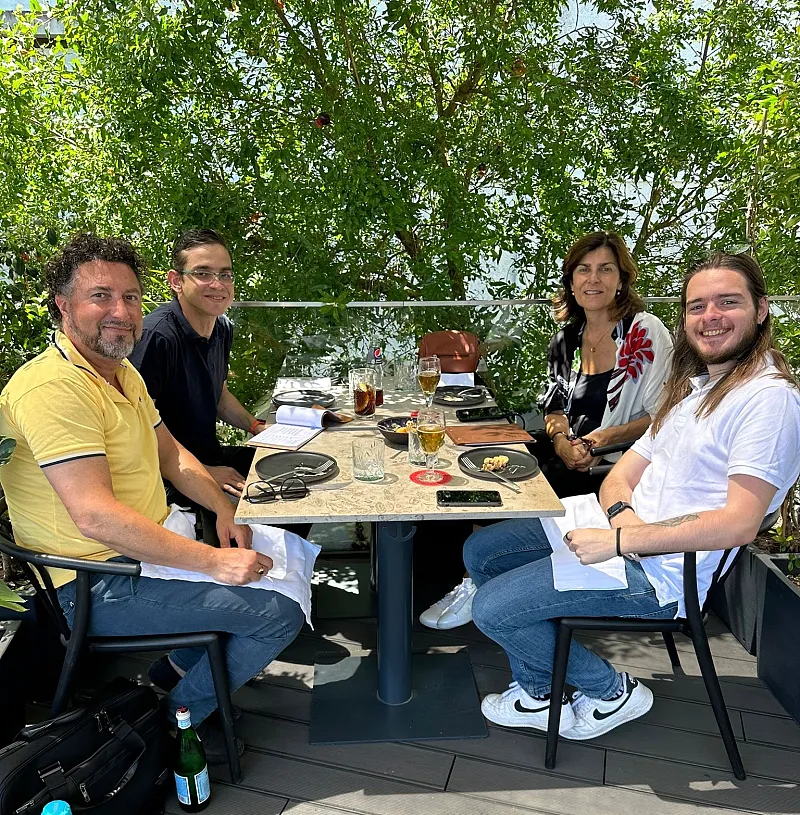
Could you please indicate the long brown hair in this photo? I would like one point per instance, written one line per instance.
(686, 363)
(627, 302)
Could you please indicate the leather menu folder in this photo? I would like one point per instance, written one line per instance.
(479, 435)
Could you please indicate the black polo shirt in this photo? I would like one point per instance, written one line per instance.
(184, 374)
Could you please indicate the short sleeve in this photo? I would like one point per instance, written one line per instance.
(658, 372)
(644, 446)
(61, 420)
(765, 436)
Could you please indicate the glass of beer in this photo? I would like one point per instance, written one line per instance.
(430, 429)
(428, 372)
(362, 385)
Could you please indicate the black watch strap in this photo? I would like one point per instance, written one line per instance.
(615, 509)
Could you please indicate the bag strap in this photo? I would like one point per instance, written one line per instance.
(56, 782)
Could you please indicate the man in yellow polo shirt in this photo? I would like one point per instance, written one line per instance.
(85, 481)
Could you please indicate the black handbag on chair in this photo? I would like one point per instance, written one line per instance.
(111, 756)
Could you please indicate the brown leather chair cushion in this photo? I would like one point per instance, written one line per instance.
(458, 351)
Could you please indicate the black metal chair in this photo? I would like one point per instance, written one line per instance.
(605, 469)
(76, 640)
(693, 626)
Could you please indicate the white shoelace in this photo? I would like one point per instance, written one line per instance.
(461, 590)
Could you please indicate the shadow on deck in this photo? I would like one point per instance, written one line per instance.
(669, 762)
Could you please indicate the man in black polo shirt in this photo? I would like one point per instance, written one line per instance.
(183, 357)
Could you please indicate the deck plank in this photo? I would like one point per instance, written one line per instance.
(537, 791)
(397, 761)
(708, 787)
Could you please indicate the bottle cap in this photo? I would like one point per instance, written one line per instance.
(182, 714)
(57, 808)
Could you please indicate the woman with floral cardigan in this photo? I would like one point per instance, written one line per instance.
(607, 366)
(607, 369)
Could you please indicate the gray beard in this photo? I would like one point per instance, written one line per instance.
(116, 349)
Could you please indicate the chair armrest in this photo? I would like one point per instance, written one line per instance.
(607, 449)
(74, 564)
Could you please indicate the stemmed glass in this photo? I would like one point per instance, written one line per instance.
(428, 373)
(430, 429)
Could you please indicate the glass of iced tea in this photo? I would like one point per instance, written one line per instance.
(430, 429)
(362, 386)
(429, 371)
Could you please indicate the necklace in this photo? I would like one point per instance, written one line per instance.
(597, 343)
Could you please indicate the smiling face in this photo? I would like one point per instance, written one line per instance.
(102, 314)
(203, 300)
(596, 280)
(720, 317)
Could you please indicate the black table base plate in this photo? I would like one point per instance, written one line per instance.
(345, 708)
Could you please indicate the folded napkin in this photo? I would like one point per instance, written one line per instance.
(457, 379)
(569, 574)
(293, 558)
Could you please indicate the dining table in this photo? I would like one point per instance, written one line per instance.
(394, 694)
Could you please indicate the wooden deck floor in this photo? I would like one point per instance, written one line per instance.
(669, 762)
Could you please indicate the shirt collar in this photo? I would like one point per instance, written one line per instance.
(67, 349)
(175, 306)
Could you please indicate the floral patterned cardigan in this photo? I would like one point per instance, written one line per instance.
(644, 354)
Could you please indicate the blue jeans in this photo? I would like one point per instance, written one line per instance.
(260, 624)
(516, 604)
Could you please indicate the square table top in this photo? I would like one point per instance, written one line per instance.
(396, 498)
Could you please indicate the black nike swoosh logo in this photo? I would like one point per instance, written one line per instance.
(520, 708)
(598, 716)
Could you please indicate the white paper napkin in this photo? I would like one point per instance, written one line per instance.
(569, 574)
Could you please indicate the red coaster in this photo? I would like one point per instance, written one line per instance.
(415, 476)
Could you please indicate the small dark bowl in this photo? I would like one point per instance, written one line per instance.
(387, 427)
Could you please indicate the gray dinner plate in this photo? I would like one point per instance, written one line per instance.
(520, 465)
(458, 396)
(304, 397)
(278, 463)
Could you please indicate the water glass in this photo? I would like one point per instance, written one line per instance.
(405, 376)
(368, 459)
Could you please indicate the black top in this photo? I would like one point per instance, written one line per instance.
(563, 365)
(184, 374)
(589, 402)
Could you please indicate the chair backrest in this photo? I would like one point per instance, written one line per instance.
(458, 351)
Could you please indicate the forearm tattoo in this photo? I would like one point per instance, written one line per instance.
(681, 519)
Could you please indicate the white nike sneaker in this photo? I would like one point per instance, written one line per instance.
(593, 717)
(516, 708)
(454, 609)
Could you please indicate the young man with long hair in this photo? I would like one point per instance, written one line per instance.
(722, 453)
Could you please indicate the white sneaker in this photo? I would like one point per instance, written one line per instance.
(516, 708)
(597, 716)
(454, 609)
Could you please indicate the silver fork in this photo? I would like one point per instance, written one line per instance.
(301, 469)
(471, 465)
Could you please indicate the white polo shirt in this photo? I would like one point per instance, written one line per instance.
(754, 431)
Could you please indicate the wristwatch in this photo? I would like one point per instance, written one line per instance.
(615, 509)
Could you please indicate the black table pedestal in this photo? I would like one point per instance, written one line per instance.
(395, 696)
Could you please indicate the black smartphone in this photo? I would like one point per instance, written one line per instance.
(468, 498)
(480, 414)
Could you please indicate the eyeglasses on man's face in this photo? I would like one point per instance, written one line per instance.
(204, 276)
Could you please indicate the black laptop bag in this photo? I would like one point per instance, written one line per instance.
(110, 756)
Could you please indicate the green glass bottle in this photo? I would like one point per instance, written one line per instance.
(191, 767)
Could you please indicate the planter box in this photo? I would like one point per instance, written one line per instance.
(779, 646)
(739, 601)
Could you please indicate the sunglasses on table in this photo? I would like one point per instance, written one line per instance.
(262, 492)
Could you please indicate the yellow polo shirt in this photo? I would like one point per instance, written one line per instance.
(59, 409)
